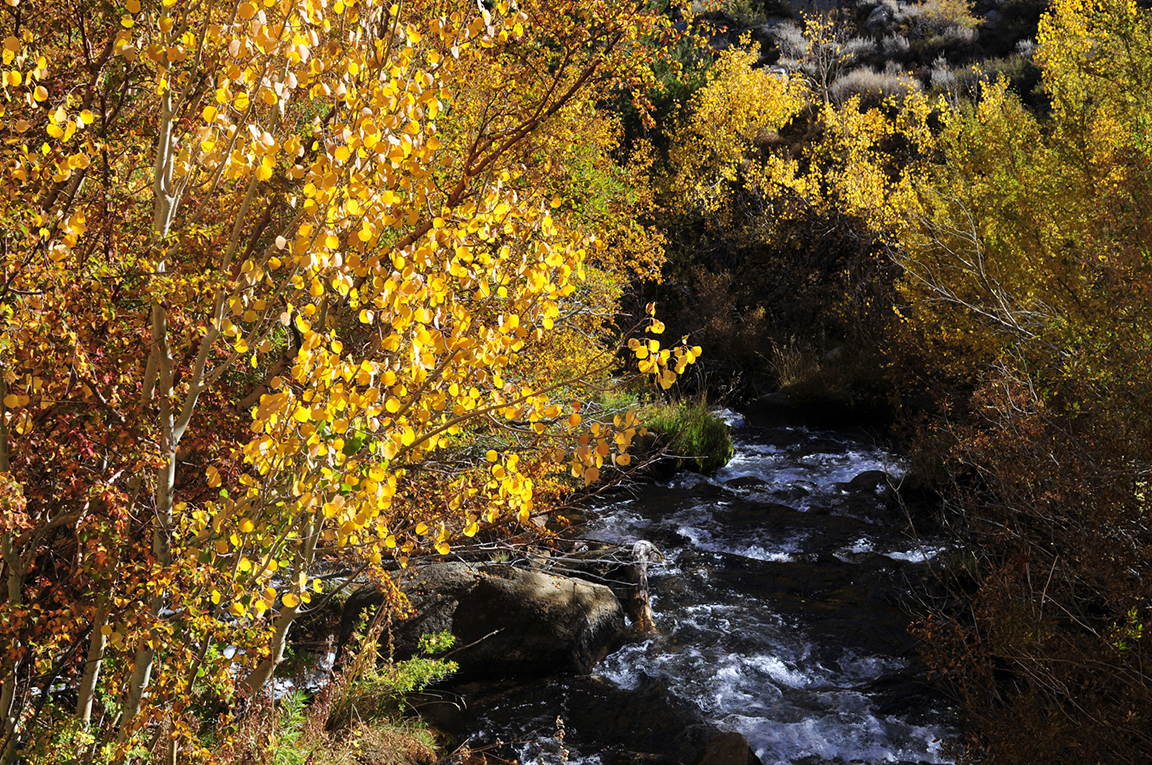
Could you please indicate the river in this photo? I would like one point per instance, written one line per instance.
(782, 614)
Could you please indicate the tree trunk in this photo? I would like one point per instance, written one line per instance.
(15, 587)
(159, 378)
(9, 681)
(259, 677)
(162, 554)
(91, 676)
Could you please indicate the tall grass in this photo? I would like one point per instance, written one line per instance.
(792, 363)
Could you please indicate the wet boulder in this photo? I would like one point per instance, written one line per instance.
(507, 621)
(726, 749)
(874, 482)
(870, 495)
(644, 725)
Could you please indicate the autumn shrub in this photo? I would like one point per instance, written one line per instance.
(822, 49)
(1044, 639)
(695, 436)
(759, 250)
(1055, 661)
(1020, 69)
(941, 17)
(715, 314)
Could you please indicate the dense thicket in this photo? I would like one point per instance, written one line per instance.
(984, 239)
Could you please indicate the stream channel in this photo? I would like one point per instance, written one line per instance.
(782, 615)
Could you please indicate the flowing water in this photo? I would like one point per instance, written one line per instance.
(781, 613)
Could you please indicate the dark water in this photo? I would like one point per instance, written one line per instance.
(781, 609)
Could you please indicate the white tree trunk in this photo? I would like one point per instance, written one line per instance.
(91, 676)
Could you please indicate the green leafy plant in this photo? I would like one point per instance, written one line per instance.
(370, 689)
(290, 724)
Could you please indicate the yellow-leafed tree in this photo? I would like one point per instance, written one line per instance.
(264, 264)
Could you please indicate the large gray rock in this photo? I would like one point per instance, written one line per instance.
(507, 621)
(884, 18)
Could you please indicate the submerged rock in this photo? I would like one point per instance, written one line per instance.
(507, 621)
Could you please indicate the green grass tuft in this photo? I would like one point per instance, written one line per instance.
(692, 432)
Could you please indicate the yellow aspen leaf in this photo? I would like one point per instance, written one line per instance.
(291, 601)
